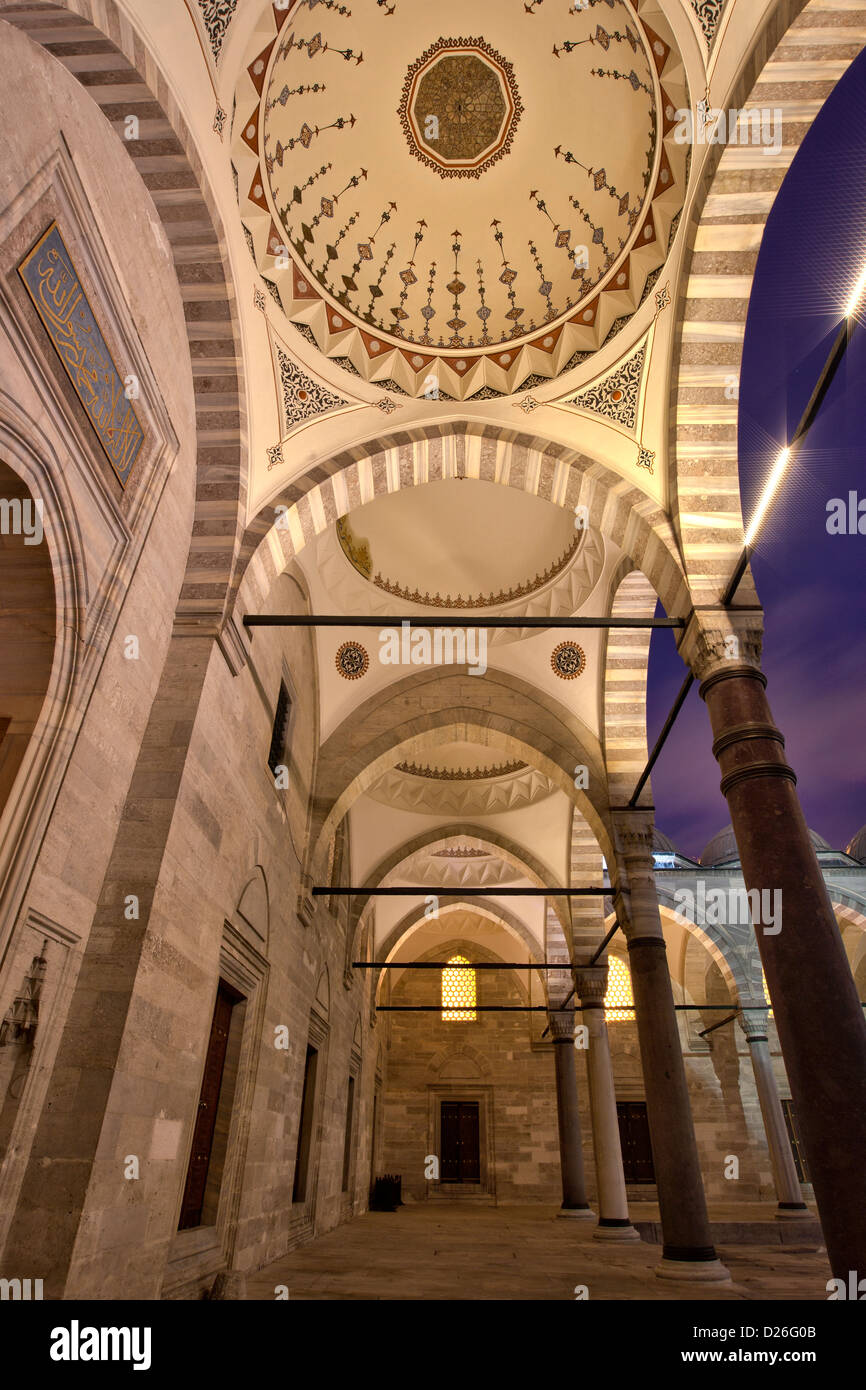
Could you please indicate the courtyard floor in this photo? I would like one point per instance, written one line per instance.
(458, 1251)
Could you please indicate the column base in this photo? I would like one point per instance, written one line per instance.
(577, 1213)
(693, 1271)
(615, 1230)
(793, 1211)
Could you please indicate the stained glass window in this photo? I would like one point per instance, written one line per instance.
(458, 992)
(619, 999)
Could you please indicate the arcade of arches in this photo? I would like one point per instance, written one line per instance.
(321, 310)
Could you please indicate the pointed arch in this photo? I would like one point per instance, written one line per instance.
(463, 449)
(448, 903)
(478, 837)
(626, 661)
(498, 710)
(97, 43)
(795, 61)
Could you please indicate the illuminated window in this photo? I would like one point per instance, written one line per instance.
(619, 998)
(766, 991)
(458, 992)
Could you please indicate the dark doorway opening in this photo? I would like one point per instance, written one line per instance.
(634, 1138)
(460, 1144)
(305, 1130)
(213, 1118)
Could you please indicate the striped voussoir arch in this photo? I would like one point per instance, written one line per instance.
(625, 686)
(464, 833)
(97, 44)
(587, 914)
(797, 60)
(411, 458)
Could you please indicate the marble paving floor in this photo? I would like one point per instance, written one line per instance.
(455, 1251)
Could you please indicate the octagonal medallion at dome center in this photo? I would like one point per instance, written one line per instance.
(460, 110)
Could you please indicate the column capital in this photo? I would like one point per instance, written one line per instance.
(754, 1022)
(590, 982)
(720, 639)
(633, 830)
(561, 1023)
(633, 873)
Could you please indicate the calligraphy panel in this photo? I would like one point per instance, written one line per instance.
(62, 304)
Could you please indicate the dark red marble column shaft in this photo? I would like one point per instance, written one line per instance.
(820, 1022)
(682, 1204)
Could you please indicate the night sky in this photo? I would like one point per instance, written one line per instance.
(809, 582)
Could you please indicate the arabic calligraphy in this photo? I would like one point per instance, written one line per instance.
(62, 305)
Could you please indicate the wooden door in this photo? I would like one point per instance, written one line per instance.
(634, 1138)
(202, 1139)
(305, 1127)
(460, 1146)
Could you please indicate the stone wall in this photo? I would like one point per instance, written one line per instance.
(123, 562)
(494, 1060)
(500, 1060)
(161, 810)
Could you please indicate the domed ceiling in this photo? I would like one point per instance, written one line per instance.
(495, 544)
(464, 198)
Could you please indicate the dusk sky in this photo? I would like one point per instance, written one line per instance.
(810, 582)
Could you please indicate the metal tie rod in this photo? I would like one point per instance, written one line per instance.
(346, 620)
(470, 965)
(461, 1008)
(541, 1008)
(834, 359)
(426, 891)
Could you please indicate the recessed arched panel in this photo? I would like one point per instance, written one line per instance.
(253, 906)
(28, 624)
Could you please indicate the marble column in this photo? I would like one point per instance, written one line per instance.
(613, 1218)
(687, 1251)
(574, 1201)
(820, 1024)
(754, 1024)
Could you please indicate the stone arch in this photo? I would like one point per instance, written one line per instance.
(463, 449)
(725, 951)
(96, 42)
(702, 974)
(498, 710)
(441, 1059)
(322, 999)
(626, 660)
(520, 858)
(850, 913)
(451, 945)
(497, 912)
(28, 457)
(254, 905)
(790, 69)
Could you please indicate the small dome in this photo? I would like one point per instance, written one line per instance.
(661, 843)
(722, 848)
(857, 847)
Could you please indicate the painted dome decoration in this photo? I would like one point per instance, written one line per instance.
(568, 661)
(412, 219)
